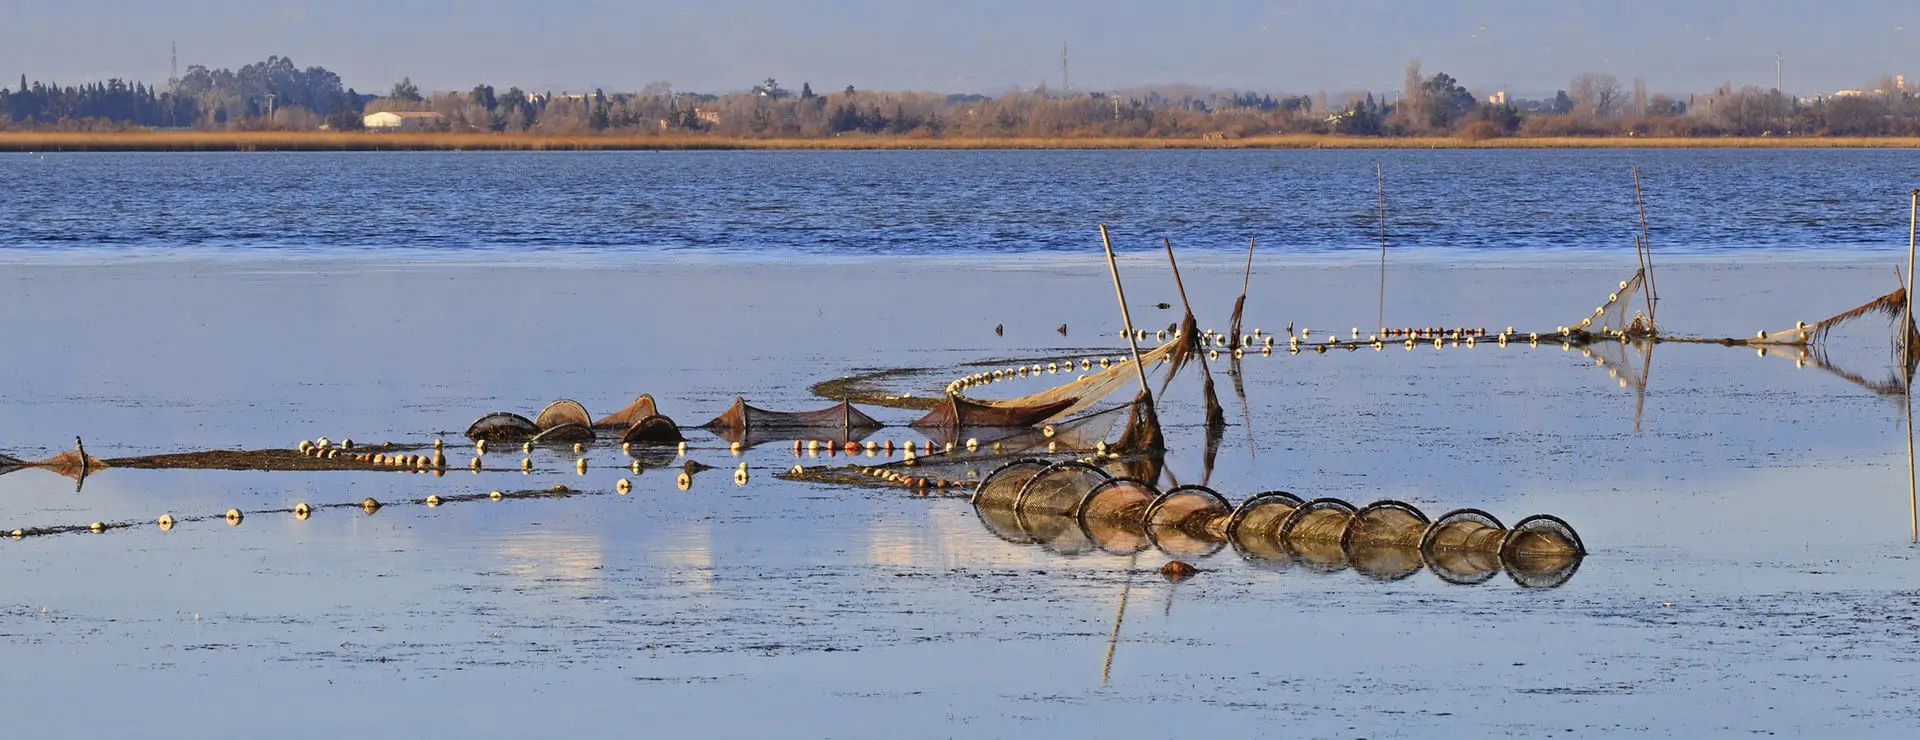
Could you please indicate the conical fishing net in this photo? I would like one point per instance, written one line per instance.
(1623, 314)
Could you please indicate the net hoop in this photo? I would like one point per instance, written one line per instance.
(1475, 516)
(653, 430)
(979, 499)
(1361, 515)
(1546, 524)
(1025, 496)
(1169, 536)
(1285, 530)
(1258, 500)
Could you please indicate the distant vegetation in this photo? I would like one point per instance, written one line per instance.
(277, 95)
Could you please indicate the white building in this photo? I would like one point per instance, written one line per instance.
(402, 121)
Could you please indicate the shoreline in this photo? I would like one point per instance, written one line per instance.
(324, 141)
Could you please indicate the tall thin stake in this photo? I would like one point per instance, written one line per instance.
(1126, 319)
(1906, 359)
(1646, 246)
(1380, 187)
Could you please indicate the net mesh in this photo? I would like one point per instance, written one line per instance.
(625, 418)
(563, 411)
(502, 426)
(742, 417)
(1864, 345)
(1624, 312)
(1058, 490)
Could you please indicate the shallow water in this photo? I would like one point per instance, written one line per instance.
(1748, 526)
(789, 205)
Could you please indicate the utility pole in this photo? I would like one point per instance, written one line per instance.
(1778, 64)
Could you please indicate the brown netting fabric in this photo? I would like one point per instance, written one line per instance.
(502, 426)
(1057, 490)
(743, 417)
(655, 429)
(563, 411)
(625, 418)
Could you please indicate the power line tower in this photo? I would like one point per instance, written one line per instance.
(1066, 84)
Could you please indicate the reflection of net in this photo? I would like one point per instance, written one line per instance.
(1076, 507)
(1620, 315)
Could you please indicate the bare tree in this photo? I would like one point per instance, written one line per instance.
(1595, 94)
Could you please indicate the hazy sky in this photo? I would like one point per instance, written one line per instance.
(1528, 46)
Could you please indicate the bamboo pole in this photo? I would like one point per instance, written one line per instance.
(1646, 246)
(1380, 188)
(1126, 319)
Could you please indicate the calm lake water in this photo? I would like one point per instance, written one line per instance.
(775, 205)
(1751, 570)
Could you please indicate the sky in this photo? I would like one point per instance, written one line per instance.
(1295, 46)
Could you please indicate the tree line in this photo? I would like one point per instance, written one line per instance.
(279, 95)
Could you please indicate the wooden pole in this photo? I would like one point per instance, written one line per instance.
(1646, 246)
(1216, 416)
(1126, 319)
(1380, 187)
(1906, 359)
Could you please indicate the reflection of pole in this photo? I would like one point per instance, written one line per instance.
(1119, 613)
(1126, 320)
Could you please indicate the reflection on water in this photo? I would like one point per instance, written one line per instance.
(569, 560)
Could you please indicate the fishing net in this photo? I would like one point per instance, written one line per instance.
(1028, 501)
(1464, 530)
(653, 430)
(1623, 314)
(1255, 525)
(959, 412)
(1864, 345)
(1058, 490)
(1389, 524)
(563, 411)
(625, 418)
(502, 426)
(9, 464)
(841, 416)
(1114, 512)
(1189, 521)
(565, 434)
